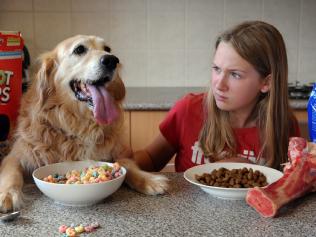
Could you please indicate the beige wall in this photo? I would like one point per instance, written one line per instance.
(163, 42)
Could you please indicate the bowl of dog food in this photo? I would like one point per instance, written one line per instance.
(79, 183)
(231, 180)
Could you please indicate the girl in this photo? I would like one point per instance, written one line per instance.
(244, 117)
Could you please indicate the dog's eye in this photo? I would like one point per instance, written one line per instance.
(107, 49)
(80, 50)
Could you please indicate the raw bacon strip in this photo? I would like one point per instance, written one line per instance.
(298, 179)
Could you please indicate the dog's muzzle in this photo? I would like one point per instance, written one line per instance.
(94, 93)
(108, 64)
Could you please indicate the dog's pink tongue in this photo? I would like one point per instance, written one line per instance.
(104, 108)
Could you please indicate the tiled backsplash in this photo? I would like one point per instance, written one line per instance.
(163, 42)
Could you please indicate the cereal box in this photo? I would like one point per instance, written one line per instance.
(11, 48)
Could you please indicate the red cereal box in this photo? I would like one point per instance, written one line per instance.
(11, 48)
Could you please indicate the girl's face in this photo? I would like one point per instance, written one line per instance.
(236, 84)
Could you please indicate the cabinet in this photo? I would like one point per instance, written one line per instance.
(301, 116)
(143, 127)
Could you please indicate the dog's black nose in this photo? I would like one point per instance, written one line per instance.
(109, 61)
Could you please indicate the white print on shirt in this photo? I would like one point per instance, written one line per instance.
(198, 156)
(250, 155)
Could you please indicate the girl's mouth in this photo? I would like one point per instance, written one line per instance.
(220, 97)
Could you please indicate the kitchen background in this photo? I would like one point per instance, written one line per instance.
(163, 43)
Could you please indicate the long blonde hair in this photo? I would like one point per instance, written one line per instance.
(262, 45)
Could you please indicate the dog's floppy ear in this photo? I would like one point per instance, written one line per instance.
(44, 77)
(117, 88)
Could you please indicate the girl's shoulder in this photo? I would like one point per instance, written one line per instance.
(191, 100)
(190, 105)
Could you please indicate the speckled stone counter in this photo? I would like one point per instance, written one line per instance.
(155, 98)
(163, 98)
(185, 211)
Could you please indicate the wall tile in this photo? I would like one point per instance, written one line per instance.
(91, 24)
(16, 5)
(205, 5)
(201, 30)
(307, 48)
(204, 21)
(163, 42)
(241, 10)
(90, 6)
(166, 5)
(307, 65)
(133, 67)
(19, 21)
(128, 30)
(52, 5)
(285, 15)
(308, 24)
(166, 30)
(38, 52)
(128, 5)
(166, 68)
(45, 37)
(292, 64)
(198, 68)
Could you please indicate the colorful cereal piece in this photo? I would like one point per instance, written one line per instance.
(79, 229)
(62, 228)
(93, 174)
(89, 229)
(95, 225)
(70, 232)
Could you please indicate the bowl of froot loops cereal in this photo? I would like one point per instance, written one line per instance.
(79, 183)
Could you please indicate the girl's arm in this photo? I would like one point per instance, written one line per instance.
(155, 156)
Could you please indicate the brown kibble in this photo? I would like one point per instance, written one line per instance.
(262, 178)
(225, 185)
(235, 178)
(237, 186)
(250, 176)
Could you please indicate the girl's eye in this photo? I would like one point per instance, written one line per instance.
(236, 75)
(216, 69)
(80, 49)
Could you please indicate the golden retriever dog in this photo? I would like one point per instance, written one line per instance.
(72, 111)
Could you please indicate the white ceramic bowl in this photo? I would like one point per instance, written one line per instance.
(272, 175)
(76, 194)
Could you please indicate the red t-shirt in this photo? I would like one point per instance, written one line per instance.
(182, 126)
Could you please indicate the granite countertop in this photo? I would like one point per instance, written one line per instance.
(163, 98)
(185, 211)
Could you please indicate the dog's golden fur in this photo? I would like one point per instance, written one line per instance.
(54, 126)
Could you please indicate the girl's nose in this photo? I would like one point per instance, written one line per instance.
(221, 82)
